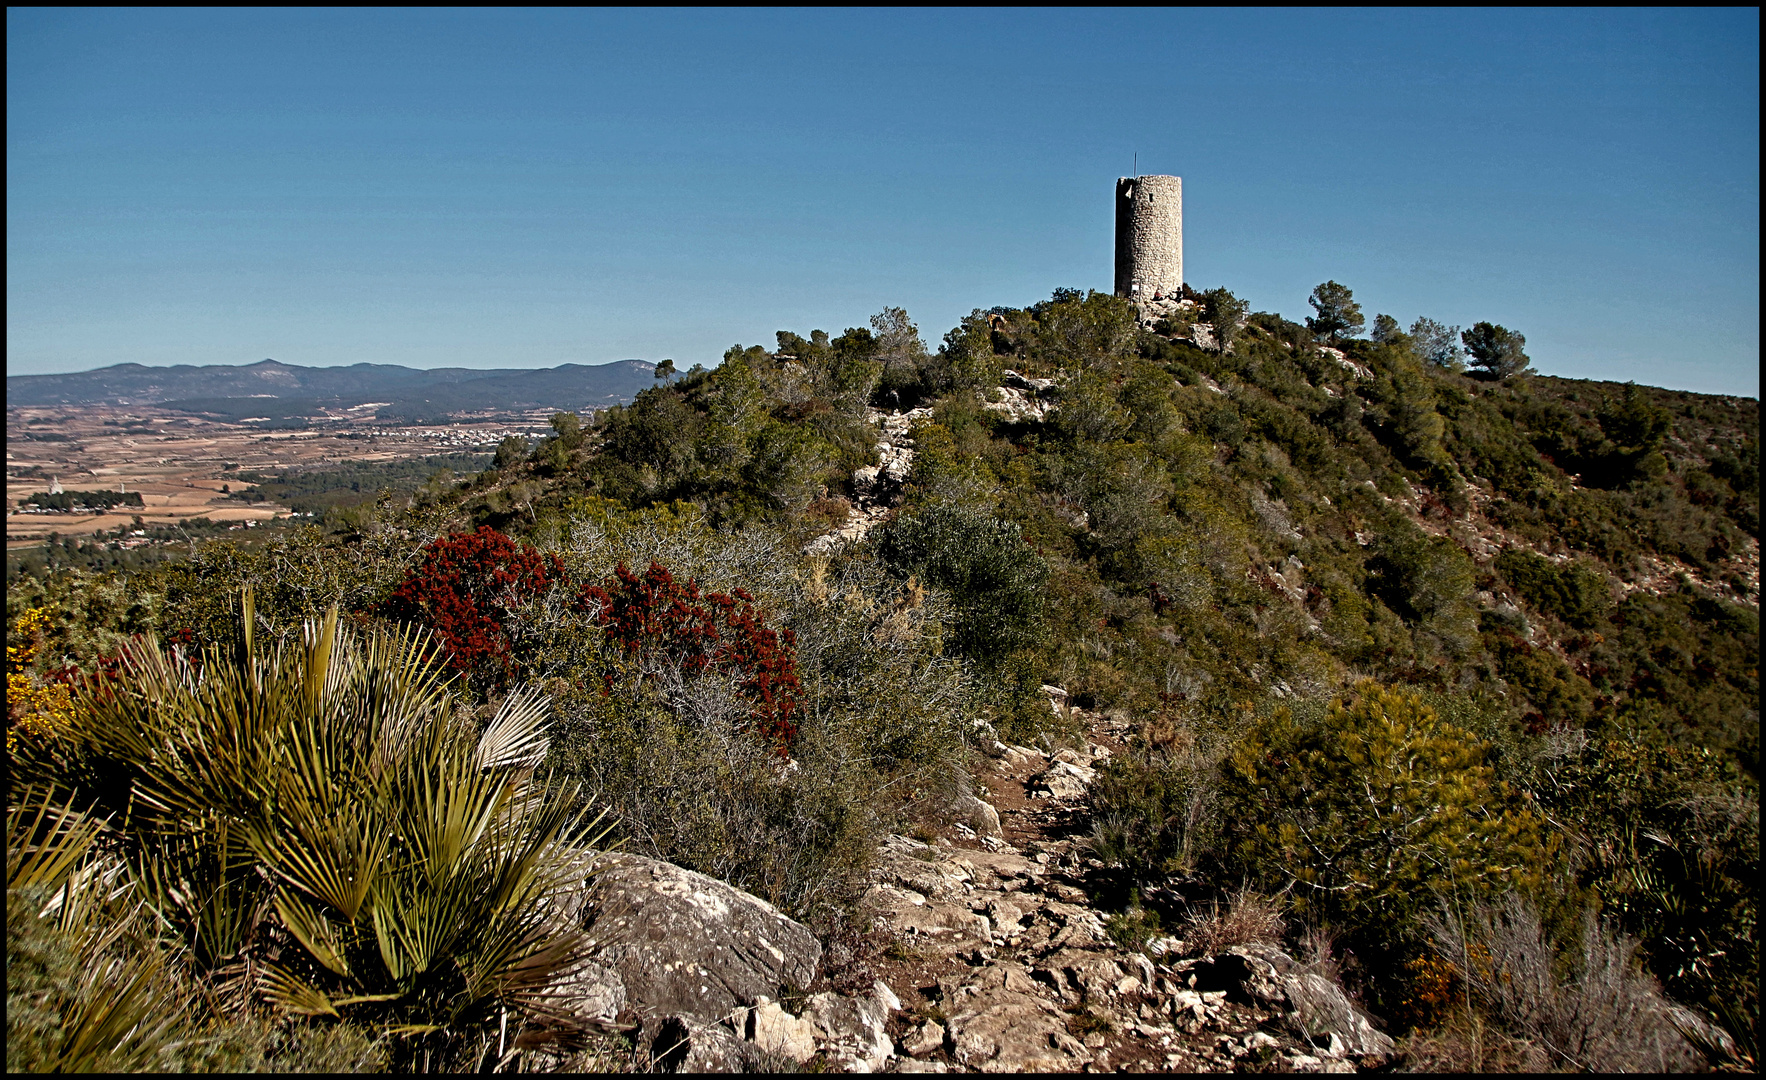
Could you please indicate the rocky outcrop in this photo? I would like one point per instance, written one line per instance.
(852, 1032)
(998, 1020)
(1065, 780)
(1323, 1013)
(685, 1045)
(977, 815)
(877, 487)
(776, 1031)
(699, 966)
(1314, 1008)
(1021, 398)
(687, 945)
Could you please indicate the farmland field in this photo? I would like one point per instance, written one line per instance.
(187, 467)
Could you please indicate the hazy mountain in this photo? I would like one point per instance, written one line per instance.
(269, 387)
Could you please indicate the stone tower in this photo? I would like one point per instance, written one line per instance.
(1149, 236)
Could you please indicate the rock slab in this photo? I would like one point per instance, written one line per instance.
(687, 945)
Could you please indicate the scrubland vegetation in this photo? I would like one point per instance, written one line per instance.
(1458, 668)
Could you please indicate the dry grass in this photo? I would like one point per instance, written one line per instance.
(1605, 1016)
(1467, 1043)
(1249, 918)
(1316, 951)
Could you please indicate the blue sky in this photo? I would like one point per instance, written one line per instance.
(528, 188)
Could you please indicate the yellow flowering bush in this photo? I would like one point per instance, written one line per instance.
(34, 708)
(1379, 812)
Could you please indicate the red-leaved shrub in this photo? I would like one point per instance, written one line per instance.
(463, 590)
(658, 615)
(468, 582)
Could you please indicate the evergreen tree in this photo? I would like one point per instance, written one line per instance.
(1338, 313)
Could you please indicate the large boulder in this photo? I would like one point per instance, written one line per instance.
(977, 814)
(920, 868)
(776, 1031)
(1065, 780)
(688, 946)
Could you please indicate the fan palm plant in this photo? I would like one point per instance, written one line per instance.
(316, 822)
(85, 991)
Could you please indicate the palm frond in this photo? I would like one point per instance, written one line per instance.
(46, 837)
(327, 786)
(124, 1009)
(290, 993)
(515, 737)
(313, 930)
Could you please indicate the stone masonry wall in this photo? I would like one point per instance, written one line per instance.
(1149, 236)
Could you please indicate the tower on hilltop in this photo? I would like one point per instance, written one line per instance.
(1149, 236)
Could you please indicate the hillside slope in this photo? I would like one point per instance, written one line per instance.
(1422, 676)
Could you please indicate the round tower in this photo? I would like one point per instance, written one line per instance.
(1149, 236)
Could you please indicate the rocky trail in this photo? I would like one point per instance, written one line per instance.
(983, 946)
(1003, 962)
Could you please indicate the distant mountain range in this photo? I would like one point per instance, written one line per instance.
(288, 392)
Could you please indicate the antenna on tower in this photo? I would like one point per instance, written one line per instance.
(1137, 165)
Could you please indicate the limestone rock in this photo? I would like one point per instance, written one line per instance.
(681, 1044)
(978, 815)
(1249, 974)
(1000, 1021)
(1001, 1030)
(941, 917)
(1006, 916)
(1002, 866)
(853, 1031)
(928, 1038)
(1065, 780)
(912, 913)
(1315, 1006)
(1324, 1013)
(919, 867)
(776, 1031)
(1082, 971)
(993, 975)
(596, 994)
(690, 946)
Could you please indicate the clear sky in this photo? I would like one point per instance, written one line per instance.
(529, 188)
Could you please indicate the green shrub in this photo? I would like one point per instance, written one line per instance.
(994, 579)
(1573, 592)
(1154, 807)
(1134, 926)
(1559, 697)
(1429, 581)
(1670, 843)
(1371, 814)
(74, 1004)
(881, 722)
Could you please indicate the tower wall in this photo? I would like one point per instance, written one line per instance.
(1149, 236)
